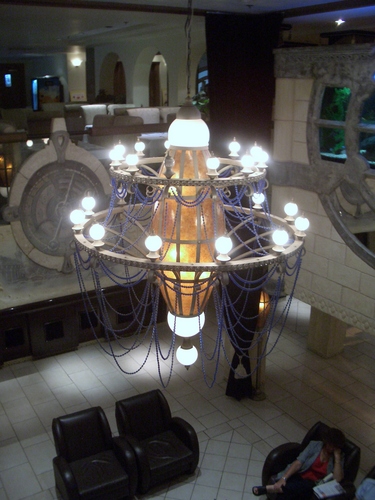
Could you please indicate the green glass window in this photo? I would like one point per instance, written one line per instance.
(333, 112)
(335, 103)
(366, 143)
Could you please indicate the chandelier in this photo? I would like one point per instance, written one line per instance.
(194, 232)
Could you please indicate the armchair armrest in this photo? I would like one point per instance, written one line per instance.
(186, 433)
(142, 461)
(349, 491)
(125, 455)
(278, 459)
(65, 480)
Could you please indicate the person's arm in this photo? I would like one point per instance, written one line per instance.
(292, 469)
(338, 472)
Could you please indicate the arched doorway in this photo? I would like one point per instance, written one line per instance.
(119, 84)
(158, 82)
(112, 83)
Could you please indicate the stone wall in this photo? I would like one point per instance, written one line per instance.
(333, 279)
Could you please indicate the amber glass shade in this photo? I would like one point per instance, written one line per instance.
(188, 229)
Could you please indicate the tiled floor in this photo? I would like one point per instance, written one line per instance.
(234, 436)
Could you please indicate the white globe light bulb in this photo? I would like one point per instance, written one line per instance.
(262, 156)
(258, 198)
(132, 159)
(114, 155)
(188, 130)
(213, 163)
(255, 151)
(186, 326)
(120, 149)
(139, 146)
(302, 223)
(247, 161)
(77, 216)
(291, 209)
(188, 133)
(29, 143)
(234, 147)
(88, 203)
(153, 243)
(187, 357)
(224, 245)
(97, 232)
(280, 237)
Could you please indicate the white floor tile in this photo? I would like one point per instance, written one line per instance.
(235, 436)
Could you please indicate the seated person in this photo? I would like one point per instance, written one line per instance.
(366, 490)
(316, 461)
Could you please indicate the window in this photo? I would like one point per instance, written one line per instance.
(332, 123)
(367, 130)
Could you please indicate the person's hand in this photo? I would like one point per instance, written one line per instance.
(279, 485)
(337, 454)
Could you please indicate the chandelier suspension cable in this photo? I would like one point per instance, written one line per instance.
(188, 24)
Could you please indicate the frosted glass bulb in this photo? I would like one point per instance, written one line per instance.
(153, 243)
(187, 357)
(97, 232)
(280, 237)
(114, 155)
(302, 223)
(188, 133)
(132, 159)
(262, 156)
(291, 209)
(213, 163)
(120, 149)
(255, 151)
(29, 143)
(139, 146)
(88, 203)
(186, 326)
(247, 161)
(258, 198)
(224, 244)
(76, 61)
(234, 147)
(77, 216)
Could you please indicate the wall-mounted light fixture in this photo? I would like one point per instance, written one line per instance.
(77, 61)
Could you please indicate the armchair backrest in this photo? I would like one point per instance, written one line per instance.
(143, 415)
(82, 434)
(352, 452)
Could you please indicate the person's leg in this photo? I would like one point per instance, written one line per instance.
(296, 488)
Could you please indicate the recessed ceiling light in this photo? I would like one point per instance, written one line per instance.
(339, 21)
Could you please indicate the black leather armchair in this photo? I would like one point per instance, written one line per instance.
(279, 458)
(90, 463)
(164, 446)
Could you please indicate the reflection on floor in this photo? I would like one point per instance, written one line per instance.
(235, 436)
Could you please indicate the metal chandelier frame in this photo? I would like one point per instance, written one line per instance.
(253, 265)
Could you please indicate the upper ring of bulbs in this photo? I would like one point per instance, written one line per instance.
(251, 162)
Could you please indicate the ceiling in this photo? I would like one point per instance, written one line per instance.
(29, 28)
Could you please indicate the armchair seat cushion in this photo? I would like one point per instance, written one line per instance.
(102, 471)
(164, 446)
(165, 450)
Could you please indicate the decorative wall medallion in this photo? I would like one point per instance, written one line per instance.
(48, 186)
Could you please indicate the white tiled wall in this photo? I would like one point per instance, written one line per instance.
(290, 115)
